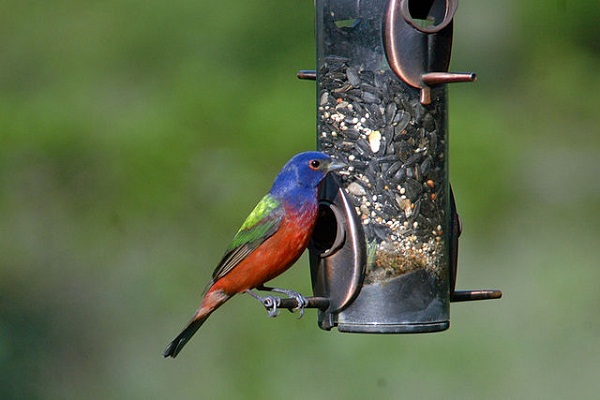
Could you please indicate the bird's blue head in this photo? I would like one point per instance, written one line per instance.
(302, 174)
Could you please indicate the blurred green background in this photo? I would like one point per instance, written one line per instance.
(135, 136)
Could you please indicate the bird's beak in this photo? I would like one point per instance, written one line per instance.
(333, 166)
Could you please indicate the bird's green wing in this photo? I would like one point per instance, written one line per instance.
(261, 224)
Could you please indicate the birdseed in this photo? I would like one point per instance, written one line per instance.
(396, 151)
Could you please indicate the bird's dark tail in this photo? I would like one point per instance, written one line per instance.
(181, 340)
(211, 301)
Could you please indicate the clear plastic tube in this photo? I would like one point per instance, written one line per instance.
(397, 179)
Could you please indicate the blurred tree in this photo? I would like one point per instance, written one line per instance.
(135, 135)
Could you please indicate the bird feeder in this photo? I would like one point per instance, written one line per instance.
(384, 251)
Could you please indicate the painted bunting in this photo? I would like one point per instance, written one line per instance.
(272, 238)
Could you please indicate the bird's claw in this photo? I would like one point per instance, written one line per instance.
(272, 303)
(302, 303)
(300, 300)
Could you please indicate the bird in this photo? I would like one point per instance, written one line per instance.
(270, 240)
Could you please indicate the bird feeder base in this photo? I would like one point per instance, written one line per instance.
(406, 304)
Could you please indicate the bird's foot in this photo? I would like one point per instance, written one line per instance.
(301, 300)
(271, 303)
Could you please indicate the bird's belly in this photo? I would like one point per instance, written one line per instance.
(271, 258)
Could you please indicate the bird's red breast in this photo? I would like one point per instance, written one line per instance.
(275, 255)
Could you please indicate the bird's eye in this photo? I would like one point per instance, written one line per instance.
(314, 164)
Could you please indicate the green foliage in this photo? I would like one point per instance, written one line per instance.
(135, 136)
